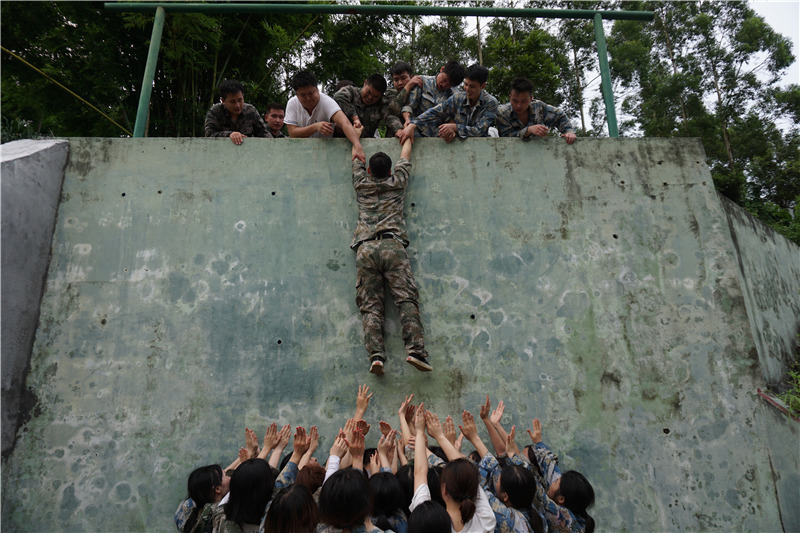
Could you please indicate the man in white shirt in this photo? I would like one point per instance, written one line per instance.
(313, 114)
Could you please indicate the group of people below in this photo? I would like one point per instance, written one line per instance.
(403, 485)
(415, 106)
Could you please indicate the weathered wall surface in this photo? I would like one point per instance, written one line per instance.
(32, 172)
(197, 288)
(769, 266)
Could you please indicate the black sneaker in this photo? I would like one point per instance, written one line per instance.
(419, 362)
(377, 366)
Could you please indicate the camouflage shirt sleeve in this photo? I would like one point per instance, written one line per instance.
(478, 126)
(344, 98)
(213, 123)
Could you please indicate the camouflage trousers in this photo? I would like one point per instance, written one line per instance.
(377, 261)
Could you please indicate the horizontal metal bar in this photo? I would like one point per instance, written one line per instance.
(360, 9)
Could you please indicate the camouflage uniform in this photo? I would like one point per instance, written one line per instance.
(349, 99)
(395, 100)
(420, 99)
(472, 121)
(538, 113)
(219, 122)
(379, 240)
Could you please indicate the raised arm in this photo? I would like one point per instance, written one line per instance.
(362, 401)
(497, 441)
(283, 439)
(420, 450)
(408, 144)
(436, 431)
(344, 123)
(470, 431)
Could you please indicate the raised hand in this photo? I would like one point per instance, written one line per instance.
(486, 408)
(450, 429)
(251, 442)
(511, 445)
(497, 415)
(271, 437)
(435, 429)
(283, 436)
(536, 434)
(385, 427)
(363, 426)
(339, 447)
(468, 427)
(362, 401)
(301, 441)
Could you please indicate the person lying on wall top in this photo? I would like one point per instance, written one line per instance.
(528, 118)
(231, 117)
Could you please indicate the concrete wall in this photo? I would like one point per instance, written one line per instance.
(197, 288)
(32, 173)
(769, 267)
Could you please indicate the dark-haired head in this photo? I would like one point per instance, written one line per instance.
(429, 517)
(345, 500)
(204, 487)
(387, 498)
(522, 85)
(405, 475)
(574, 492)
(293, 510)
(516, 487)
(230, 87)
(401, 67)
(479, 73)
(377, 82)
(455, 72)
(380, 165)
(284, 461)
(311, 476)
(460, 484)
(302, 79)
(251, 488)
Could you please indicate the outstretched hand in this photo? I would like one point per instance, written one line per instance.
(536, 434)
(468, 427)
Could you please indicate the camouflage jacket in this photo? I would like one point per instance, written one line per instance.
(380, 202)
(219, 122)
(349, 99)
(472, 121)
(420, 99)
(396, 100)
(508, 125)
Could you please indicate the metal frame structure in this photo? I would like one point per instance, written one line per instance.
(370, 9)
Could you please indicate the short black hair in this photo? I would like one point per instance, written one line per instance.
(400, 67)
(230, 87)
(275, 105)
(303, 79)
(377, 82)
(380, 165)
(522, 85)
(344, 83)
(345, 500)
(429, 517)
(455, 72)
(479, 73)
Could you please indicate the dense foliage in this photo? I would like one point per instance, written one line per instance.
(701, 69)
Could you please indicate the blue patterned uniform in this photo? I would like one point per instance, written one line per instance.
(509, 125)
(509, 520)
(558, 518)
(471, 121)
(420, 99)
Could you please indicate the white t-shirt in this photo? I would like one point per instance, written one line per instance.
(483, 521)
(296, 114)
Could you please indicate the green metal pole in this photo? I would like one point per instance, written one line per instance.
(605, 76)
(149, 73)
(372, 9)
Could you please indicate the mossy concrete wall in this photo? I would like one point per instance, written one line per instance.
(198, 287)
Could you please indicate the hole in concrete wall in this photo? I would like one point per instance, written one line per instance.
(666, 430)
(159, 192)
(281, 342)
(473, 318)
(619, 164)
(704, 183)
(615, 236)
(413, 204)
(123, 195)
(665, 184)
(622, 182)
(660, 162)
(103, 322)
(273, 194)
